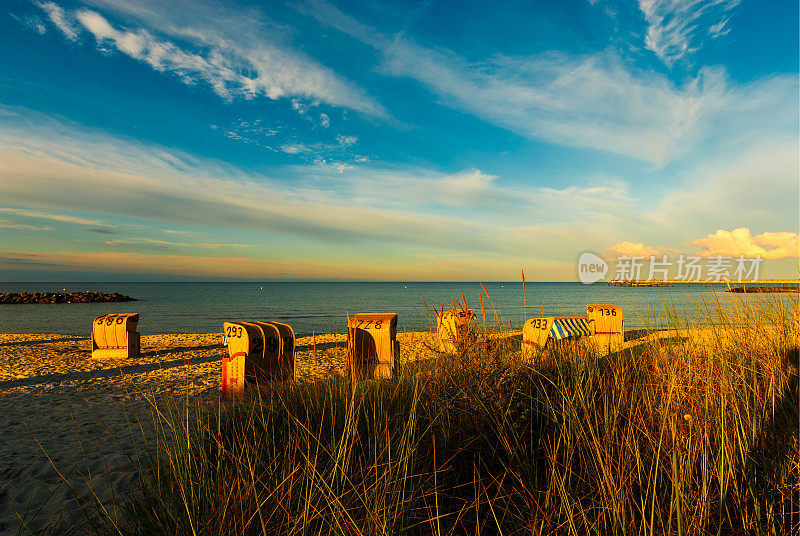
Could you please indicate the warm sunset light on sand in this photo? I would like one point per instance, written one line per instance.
(399, 267)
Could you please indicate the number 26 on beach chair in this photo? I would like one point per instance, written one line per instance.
(372, 345)
(452, 327)
(257, 351)
(607, 326)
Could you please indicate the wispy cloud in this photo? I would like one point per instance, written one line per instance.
(234, 66)
(7, 224)
(32, 22)
(60, 19)
(152, 241)
(151, 184)
(49, 216)
(597, 101)
(676, 27)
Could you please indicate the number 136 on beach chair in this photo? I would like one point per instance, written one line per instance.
(607, 327)
(257, 351)
(372, 345)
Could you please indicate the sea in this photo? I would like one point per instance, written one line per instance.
(322, 307)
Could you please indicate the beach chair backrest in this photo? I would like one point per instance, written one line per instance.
(288, 340)
(607, 325)
(535, 333)
(452, 326)
(245, 344)
(372, 345)
(266, 362)
(115, 336)
(256, 353)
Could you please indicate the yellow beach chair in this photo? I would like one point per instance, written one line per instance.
(372, 345)
(115, 336)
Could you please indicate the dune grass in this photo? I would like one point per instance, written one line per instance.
(690, 435)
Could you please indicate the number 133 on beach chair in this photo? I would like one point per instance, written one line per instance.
(537, 332)
(372, 345)
(257, 351)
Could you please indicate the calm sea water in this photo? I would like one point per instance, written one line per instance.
(322, 307)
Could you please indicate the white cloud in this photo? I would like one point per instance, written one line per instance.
(758, 188)
(60, 19)
(346, 141)
(234, 66)
(630, 249)
(673, 25)
(770, 245)
(31, 21)
(294, 148)
(719, 29)
(72, 169)
(597, 101)
(594, 101)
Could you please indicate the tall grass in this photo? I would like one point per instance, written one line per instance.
(692, 435)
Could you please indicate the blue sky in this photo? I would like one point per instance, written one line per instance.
(392, 140)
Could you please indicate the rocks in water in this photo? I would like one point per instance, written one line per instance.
(62, 297)
(746, 290)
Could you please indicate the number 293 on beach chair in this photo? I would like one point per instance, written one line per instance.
(257, 351)
(538, 332)
(372, 345)
(452, 327)
(115, 336)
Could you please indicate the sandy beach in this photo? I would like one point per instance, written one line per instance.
(66, 415)
(63, 411)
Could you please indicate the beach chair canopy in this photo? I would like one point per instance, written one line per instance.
(570, 327)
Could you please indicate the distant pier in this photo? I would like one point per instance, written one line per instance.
(733, 286)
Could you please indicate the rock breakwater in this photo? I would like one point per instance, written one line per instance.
(62, 297)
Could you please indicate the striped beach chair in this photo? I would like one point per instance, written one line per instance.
(538, 332)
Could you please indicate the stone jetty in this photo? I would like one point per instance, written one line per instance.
(62, 297)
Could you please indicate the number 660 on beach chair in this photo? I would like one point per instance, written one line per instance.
(256, 351)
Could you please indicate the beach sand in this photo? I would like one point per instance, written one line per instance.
(63, 412)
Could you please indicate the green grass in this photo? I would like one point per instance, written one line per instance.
(667, 438)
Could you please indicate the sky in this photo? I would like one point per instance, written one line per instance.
(396, 141)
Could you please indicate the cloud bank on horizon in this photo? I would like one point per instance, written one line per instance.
(397, 141)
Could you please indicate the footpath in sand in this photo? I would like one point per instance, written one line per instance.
(56, 399)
